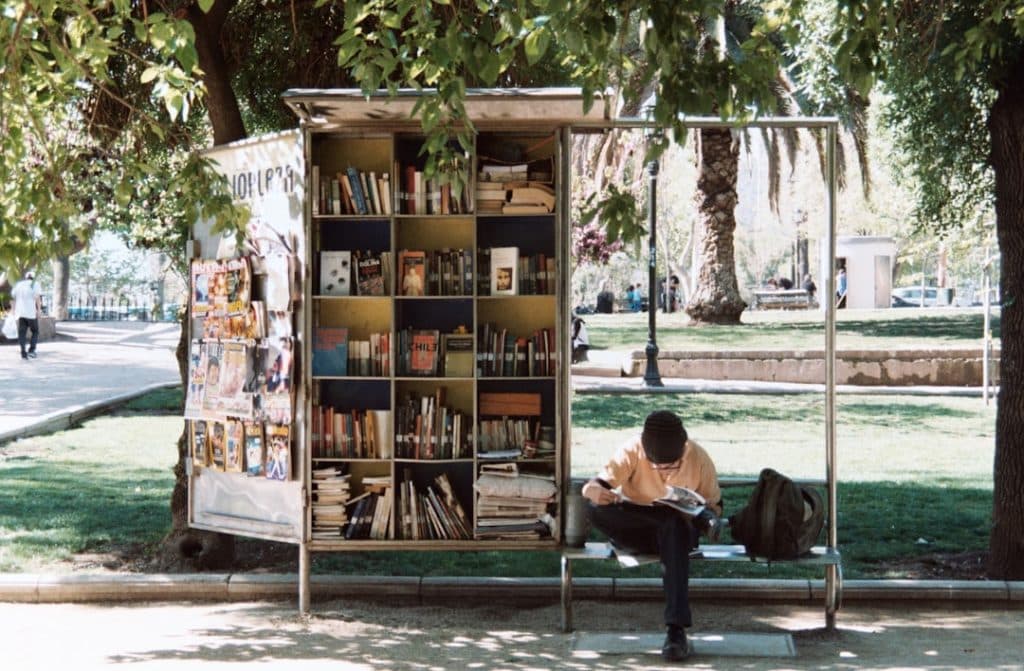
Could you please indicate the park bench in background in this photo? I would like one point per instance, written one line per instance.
(819, 555)
(781, 299)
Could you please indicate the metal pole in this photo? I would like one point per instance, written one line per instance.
(652, 378)
(832, 577)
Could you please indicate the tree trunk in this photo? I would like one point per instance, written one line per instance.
(221, 101)
(184, 547)
(61, 282)
(1006, 129)
(716, 297)
(193, 548)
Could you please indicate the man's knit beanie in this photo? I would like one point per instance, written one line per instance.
(663, 437)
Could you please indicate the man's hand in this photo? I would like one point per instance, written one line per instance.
(599, 494)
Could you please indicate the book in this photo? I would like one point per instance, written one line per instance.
(217, 437)
(234, 446)
(278, 456)
(532, 193)
(200, 443)
(335, 273)
(254, 457)
(330, 351)
(459, 358)
(423, 352)
(504, 271)
(369, 274)
(413, 271)
(358, 194)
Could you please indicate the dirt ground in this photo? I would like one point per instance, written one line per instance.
(352, 635)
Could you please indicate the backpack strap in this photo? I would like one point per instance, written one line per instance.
(767, 512)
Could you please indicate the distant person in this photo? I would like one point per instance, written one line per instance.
(785, 283)
(580, 339)
(841, 288)
(636, 302)
(605, 300)
(771, 284)
(810, 287)
(621, 499)
(630, 297)
(26, 309)
(674, 294)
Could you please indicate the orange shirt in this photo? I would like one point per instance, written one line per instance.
(631, 470)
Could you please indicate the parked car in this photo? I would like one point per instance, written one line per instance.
(911, 296)
(898, 302)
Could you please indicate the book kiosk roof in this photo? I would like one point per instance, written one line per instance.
(327, 108)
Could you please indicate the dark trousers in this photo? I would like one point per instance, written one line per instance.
(25, 325)
(655, 530)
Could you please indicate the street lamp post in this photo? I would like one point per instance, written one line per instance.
(652, 378)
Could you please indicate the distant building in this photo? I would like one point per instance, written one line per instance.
(868, 261)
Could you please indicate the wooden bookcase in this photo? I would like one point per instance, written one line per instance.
(489, 282)
(468, 307)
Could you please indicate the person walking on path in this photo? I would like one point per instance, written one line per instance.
(27, 305)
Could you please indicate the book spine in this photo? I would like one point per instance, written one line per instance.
(357, 190)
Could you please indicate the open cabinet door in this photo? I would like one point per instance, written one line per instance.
(244, 393)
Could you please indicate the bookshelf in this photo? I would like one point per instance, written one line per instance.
(374, 448)
(432, 478)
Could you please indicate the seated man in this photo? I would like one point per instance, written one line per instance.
(640, 471)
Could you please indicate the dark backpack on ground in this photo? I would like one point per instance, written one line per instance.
(772, 524)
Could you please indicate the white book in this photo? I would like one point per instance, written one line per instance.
(504, 271)
(335, 273)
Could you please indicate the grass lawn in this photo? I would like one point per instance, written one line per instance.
(805, 329)
(106, 485)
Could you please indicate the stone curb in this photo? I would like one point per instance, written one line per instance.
(68, 417)
(45, 588)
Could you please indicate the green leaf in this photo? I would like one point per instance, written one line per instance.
(149, 74)
(205, 5)
(535, 45)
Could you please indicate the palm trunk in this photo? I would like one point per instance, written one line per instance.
(1006, 128)
(716, 297)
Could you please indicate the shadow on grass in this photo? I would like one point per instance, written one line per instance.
(52, 512)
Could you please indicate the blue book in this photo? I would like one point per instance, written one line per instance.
(357, 190)
(330, 352)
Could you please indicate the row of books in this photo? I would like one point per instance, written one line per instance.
(430, 353)
(331, 489)
(420, 195)
(355, 273)
(501, 353)
(508, 437)
(433, 514)
(351, 191)
(531, 274)
(336, 355)
(238, 446)
(350, 434)
(427, 428)
(512, 504)
(370, 513)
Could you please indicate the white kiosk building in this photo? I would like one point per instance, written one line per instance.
(868, 261)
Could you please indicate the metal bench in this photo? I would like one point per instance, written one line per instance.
(781, 299)
(820, 555)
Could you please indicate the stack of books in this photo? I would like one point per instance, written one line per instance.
(330, 495)
(529, 198)
(512, 505)
(370, 512)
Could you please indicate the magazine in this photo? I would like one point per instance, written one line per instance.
(254, 457)
(233, 446)
(682, 499)
(278, 453)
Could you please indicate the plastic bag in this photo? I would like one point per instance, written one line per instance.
(10, 329)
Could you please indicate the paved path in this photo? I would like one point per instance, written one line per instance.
(89, 364)
(350, 635)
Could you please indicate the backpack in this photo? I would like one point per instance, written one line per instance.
(775, 524)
